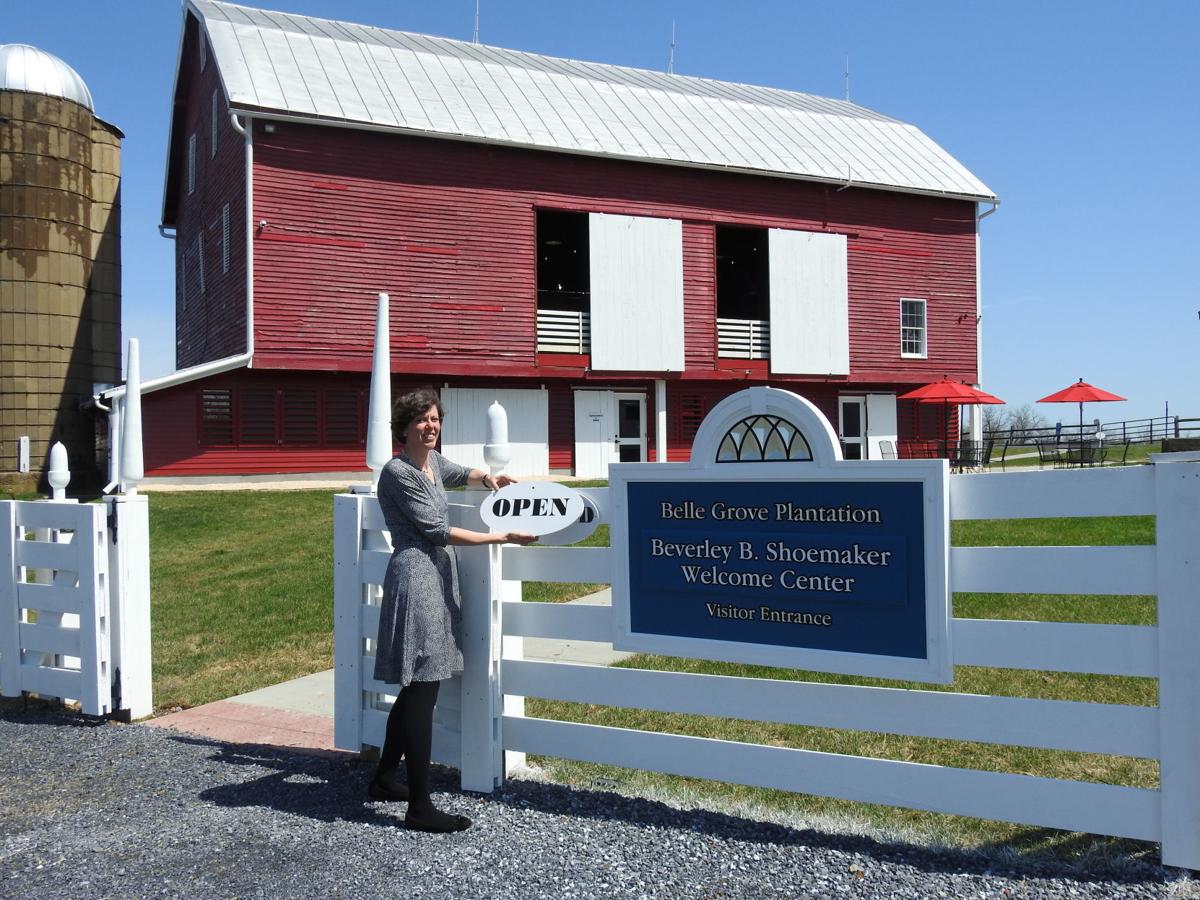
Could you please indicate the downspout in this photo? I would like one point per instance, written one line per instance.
(977, 420)
(248, 134)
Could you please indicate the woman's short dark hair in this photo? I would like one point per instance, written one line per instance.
(410, 407)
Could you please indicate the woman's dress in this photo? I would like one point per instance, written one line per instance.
(420, 623)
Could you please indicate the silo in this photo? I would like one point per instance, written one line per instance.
(60, 265)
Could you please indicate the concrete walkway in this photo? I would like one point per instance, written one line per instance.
(299, 713)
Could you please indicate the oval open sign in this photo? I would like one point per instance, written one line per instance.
(536, 507)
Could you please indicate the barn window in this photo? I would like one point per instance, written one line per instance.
(256, 417)
(743, 292)
(344, 419)
(191, 164)
(225, 238)
(216, 417)
(203, 52)
(271, 417)
(689, 413)
(763, 439)
(200, 261)
(563, 282)
(301, 425)
(214, 138)
(912, 328)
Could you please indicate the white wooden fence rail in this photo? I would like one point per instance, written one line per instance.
(54, 632)
(1169, 733)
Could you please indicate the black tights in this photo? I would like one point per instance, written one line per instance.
(410, 734)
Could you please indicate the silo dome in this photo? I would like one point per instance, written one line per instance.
(33, 71)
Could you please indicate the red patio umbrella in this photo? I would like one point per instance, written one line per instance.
(947, 392)
(1081, 392)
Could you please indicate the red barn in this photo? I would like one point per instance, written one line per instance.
(608, 251)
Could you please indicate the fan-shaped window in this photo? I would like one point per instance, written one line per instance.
(763, 439)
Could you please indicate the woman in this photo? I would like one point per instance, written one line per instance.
(419, 624)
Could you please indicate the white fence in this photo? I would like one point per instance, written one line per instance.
(75, 603)
(1168, 733)
(55, 616)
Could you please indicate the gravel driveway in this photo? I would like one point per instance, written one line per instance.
(103, 810)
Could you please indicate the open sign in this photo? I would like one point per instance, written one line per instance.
(536, 507)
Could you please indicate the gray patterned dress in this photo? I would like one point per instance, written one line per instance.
(420, 624)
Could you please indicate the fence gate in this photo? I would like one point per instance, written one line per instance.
(55, 635)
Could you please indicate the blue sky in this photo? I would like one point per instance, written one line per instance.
(1082, 116)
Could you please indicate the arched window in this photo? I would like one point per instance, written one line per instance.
(763, 438)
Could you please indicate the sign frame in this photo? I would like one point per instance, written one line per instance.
(827, 467)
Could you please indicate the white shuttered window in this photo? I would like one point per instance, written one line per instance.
(636, 293)
(810, 306)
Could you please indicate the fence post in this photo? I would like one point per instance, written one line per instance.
(348, 592)
(1177, 506)
(129, 593)
(96, 622)
(10, 613)
(479, 582)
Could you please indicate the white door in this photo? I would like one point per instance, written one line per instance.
(881, 424)
(852, 426)
(629, 441)
(609, 427)
(593, 433)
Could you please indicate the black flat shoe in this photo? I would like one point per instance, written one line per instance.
(387, 787)
(436, 822)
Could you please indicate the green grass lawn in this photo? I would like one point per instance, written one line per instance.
(242, 591)
(1026, 457)
(242, 598)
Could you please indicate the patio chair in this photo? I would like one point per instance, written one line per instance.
(965, 456)
(887, 450)
(985, 457)
(1004, 452)
(1048, 452)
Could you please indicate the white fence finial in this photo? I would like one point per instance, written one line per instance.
(59, 473)
(379, 415)
(132, 470)
(497, 452)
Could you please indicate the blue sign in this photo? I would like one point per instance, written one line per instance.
(823, 565)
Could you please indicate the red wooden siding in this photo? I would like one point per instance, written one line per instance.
(699, 296)
(269, 421)
(561, 431)
(447, 228)
(210, 323)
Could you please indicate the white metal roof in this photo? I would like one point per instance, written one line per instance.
(285, 64)
(25, 68)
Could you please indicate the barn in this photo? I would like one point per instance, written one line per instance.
(607, 251)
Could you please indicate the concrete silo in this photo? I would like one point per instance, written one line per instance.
(60, 265)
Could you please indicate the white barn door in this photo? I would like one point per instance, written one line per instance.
(881, 423)
(594, 430)
(810, 305)
(636, 293)
(465, 430)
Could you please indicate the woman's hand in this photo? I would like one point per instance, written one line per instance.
(495, 482)
(519, 537)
